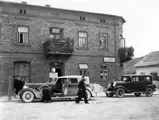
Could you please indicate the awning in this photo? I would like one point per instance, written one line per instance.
(83, 66)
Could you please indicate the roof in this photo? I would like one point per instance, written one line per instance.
(129, 66)
(150, 59)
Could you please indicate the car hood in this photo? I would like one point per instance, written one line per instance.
(38, 84)
(120, 82)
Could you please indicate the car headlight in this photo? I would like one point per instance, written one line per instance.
(109, 85)
(114, 84)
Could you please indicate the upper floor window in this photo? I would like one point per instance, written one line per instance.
(56, 33)
(22, 34)
(102, 20)
(122, 41)
(22, 11)
(103, 40)
(82, 39)
(82, 18)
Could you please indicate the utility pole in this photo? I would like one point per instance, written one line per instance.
(10, 89)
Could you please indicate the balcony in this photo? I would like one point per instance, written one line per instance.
(126, 54)
(58, 48)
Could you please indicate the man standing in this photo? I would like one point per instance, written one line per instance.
(82, 91)
(18, 85)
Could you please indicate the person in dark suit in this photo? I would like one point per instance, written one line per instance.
(18, 85)
(46, 95)
(82, 91)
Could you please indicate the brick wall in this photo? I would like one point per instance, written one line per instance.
(39, 20)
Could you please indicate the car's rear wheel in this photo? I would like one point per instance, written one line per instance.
(27, 96)
(120, 92)
(137, 94)
(109, 94)
(149, 92)
(88, 94)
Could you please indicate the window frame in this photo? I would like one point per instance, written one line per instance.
(56, 34)
(86, 39)
(23, 63)
(105, 46)
(19, 33)
(102, 71)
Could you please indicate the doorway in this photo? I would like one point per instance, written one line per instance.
(56, 69)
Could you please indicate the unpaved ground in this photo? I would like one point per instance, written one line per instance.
(100, 108)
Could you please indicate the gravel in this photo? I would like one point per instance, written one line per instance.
(100, 108)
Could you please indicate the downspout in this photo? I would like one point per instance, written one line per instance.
(115, 49)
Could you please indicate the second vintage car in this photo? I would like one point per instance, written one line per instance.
(61, 87)
(136, 84)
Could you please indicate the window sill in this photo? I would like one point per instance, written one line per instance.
(80, 48)
(22, 44)
(103, 49)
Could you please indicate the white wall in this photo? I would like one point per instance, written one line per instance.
(148, 70)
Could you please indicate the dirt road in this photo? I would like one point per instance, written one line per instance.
(101, 108)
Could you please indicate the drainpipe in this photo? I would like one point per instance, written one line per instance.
(115, 48)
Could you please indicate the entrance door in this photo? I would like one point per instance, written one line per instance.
(22, 69)
(56, 69)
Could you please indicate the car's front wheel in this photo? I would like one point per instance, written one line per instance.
(137, 94)
(149, 92)
(27, 96)
(109, 94)
(120, 92)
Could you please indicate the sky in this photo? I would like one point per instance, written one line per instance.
(142, 18)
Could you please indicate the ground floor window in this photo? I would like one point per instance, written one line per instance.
(104, 72)
(83, 68)
(22, 69)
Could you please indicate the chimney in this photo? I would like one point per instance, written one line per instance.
(24, 2)
(47, 6)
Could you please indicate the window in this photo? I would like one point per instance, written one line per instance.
(21, 11)
(82, 39)
(22, 69)
(122, 41)
(104, 72)
(74, 80)
(82, 18)
(56, 33)
(83, 69)
(22, 34)
(102, 20)
(103, 40)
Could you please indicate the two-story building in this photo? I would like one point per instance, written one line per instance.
(38, 40)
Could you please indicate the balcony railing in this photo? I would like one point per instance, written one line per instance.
(57, 47)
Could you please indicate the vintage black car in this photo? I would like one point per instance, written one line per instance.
(136, 84)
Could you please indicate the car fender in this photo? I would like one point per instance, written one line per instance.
(116, 87)
(92, 92)
(150, 86)
(36, 93)
(39, 88)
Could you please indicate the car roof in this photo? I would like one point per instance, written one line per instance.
(135, 75)
(72, 76)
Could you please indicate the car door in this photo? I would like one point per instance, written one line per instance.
(142, 83)
(73, 87)
(133, 85)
